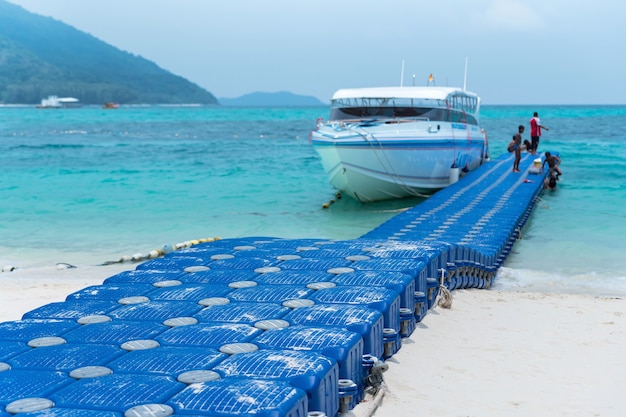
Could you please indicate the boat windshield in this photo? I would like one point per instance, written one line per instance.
(458, 109)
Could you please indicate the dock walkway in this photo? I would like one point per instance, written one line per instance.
(262, 326)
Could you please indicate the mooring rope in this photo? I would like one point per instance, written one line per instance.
(138, 257)
(388, 166)
(332, 201)
(444, 298)
(156, 253)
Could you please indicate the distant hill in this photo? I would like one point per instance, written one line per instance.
(40, 56)
(282, 98)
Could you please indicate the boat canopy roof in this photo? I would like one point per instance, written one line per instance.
(429, 92)
(449, 98)
(434, 103)
(68, 100)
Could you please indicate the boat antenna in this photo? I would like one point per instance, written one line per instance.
(465, 76)
(402, 74)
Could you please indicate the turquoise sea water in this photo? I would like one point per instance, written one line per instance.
(89, 185)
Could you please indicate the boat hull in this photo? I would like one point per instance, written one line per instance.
(388, 161)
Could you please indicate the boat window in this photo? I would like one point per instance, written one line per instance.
(457, 108)
(433, 114)
(463, 103)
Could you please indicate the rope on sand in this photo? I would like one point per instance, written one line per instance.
(374, 393)
(164, 250)
(444, 298)
(369, 407)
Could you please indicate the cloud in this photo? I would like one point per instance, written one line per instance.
(509, 15)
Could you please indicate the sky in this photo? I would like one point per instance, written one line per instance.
(517, 51)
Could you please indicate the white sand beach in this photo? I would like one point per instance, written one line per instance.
(509, 354)
(23, 290)
(494, 353)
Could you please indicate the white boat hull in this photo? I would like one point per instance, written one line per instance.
(371, 162)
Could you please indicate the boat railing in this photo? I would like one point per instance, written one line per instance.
(377, 121)
(407, 119)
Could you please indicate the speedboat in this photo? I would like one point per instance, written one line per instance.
(394, 142)
(54, 102)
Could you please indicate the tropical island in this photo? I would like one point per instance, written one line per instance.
(48, 63)
(42, 57)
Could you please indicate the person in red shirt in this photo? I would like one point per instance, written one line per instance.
(535, 132)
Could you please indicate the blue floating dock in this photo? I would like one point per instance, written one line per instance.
(11, 348)
(262, 325)
(142, 277)
(27, 330)
(367, 322)
(167, 360)
(65, 357)
(71, 310)
(190, 292)
(378, 298)
(242, 312)
(212, 335)
(217, 276)
(19, 384)
(344, 346)
(115, 332)
(112, 292)
(155, 310)
(312, 372)
(116, 392)
(241, 396)
(400, 282)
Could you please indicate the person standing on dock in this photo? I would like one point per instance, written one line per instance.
(517, 147)
(535, 132)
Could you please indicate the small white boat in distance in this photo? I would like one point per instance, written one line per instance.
(54, 102)
(393, 142)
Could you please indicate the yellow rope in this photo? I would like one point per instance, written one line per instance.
(164, 250)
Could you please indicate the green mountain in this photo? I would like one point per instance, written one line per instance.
(282, 98)
(40, 56)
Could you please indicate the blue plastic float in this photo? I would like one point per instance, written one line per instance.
(262, 325)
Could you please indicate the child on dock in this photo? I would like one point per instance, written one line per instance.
(516, 146)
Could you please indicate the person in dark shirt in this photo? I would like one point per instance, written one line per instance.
(549, 183)
(553, 162)
(527, 146)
